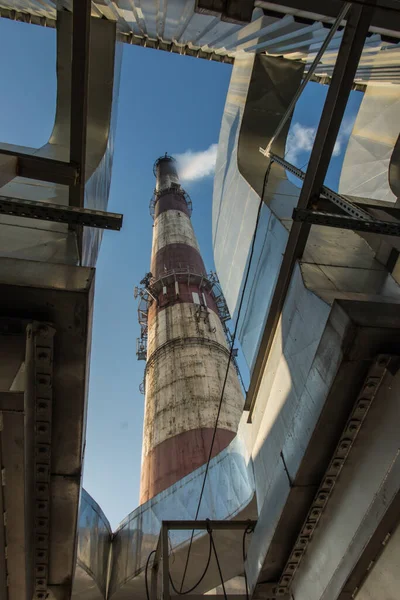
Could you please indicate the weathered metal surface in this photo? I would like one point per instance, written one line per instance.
(38, 416)
(12, 527)
(228, 494)
(367, 484)
(321, 153)
(94, 546)
(61, 295)
(367, 167)
(281, 30)
(237, 187)
(384, 573)
(337, 462)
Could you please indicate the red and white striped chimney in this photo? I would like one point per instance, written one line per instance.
(187, 352)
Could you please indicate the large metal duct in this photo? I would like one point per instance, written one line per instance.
(228, 494)
(56, 242)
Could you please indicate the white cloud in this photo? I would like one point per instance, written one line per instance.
(301, 139)
(193, 166)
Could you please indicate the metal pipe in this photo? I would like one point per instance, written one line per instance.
(342, 14)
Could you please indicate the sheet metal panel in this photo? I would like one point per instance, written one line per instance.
(368, 482)
(175, 23)
(229, 490)
(54, 242)
(94, 546)
(252, 111)
(366, 168)
(385, 574)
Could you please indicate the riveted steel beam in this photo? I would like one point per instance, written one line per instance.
(71, 215)
(315, 217)
(336, 199)
(38, 432)
(338, 460)
(335, 104)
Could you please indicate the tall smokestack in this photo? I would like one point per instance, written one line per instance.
(187, 352)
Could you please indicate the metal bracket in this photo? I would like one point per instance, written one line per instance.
(315, 217)
(71, 215)
(347, 206)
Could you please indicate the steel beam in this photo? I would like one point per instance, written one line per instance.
(60, 214)
(41, 168)
(386, 17)
(338, 93)
(215, 596)
(336, 199)
(165, 561)
(375, 546)
(213, 525)
(315, 217)
(79, 95)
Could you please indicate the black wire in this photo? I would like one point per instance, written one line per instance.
(145, 573)
(253, 241)
(249, 529)
(218, 565)
(199, 581)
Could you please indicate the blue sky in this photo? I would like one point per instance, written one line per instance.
(167, 103)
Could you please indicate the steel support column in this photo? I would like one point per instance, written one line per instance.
(38, 429)
(342, 79)
(79, 94)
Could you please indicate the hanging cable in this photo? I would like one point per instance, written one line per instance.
(180, 593)
(249, 529)
(145, 573)
(253, 241)
(217, 561)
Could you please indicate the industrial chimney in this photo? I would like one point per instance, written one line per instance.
(182, 315)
